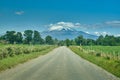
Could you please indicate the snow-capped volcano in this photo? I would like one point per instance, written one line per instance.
(65, 33)
(64, 29)
(63, 26)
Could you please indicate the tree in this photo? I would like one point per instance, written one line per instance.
(49, 40)
(90, 42)
(79, 40)
(117, 39)
(61, 43)
(109, 40)
(56, 41)
(28, 36)
(19, 37)
(3, 40)
(36, 37)
(67, 41)
(10, 36)
(100, 40)
(72, 42)
(3, 37)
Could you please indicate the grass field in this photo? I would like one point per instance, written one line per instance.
(11, 55)
(111, 52)
(107, 57)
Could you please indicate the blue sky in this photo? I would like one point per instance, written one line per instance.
(94, 16)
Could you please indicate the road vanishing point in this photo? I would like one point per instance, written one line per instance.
(59, 64)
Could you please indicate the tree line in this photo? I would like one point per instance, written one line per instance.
(28, 37)
(34, 37)
(108, 40)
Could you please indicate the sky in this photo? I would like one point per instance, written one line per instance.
(91, 16)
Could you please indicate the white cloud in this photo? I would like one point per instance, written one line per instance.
(65, 25)
(102, 33)
(115, 22)
(19, 12)
(56, 28)
(117, 35)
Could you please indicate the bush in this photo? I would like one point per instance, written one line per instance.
(10, 51)
(92, 52)
(98, 54)
(107, 57)
(4, 53)
(26, 51)
(18, 51)
(1, 55)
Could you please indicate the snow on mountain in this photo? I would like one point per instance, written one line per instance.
(67, 32)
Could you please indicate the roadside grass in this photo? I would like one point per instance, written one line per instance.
(113, 52)
(111, 65)
(10, 62)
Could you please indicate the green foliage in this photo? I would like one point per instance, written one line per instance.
(56, 41)
(28, 36)
(111, 52)
(13, 50)
(79, 40)
(10, 36)
(34, 37)
(99, 41)
(67, 42)
(108, 40)
(21, 54)
(19, 38)
(49, 40)
(37, 38)
(61, 43)
(10, 51)
(98, 54)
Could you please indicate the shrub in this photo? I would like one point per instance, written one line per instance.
(98, 54)
(18, 51)
(10, 51)
(1, 55)
(4, 53)
(107, 57)
(92, 52)
(26, 51)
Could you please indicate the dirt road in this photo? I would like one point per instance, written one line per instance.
(59, 64)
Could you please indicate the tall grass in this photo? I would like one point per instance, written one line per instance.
(12, 50)
(109, 52)
(11, 55)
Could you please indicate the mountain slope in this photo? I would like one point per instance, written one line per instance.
(67, 33)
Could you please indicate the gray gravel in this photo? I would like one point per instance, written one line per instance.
(59, 64)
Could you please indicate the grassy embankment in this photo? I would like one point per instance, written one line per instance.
(11, 55)
(107, 57)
